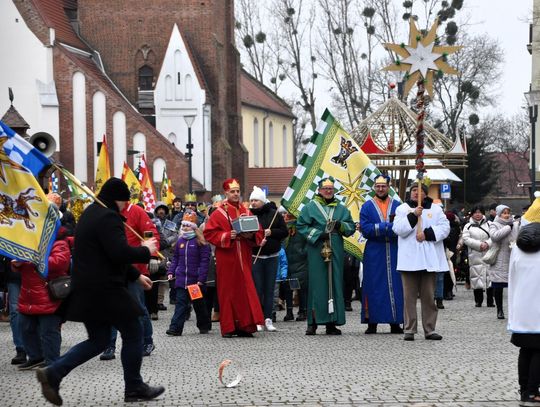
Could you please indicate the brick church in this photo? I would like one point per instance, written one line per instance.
(144, 73)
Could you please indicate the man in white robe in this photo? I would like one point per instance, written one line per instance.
(420, 256)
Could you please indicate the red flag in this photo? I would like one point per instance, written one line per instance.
(148, 193)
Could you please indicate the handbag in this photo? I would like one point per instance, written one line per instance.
(59, 288)
(491, 255)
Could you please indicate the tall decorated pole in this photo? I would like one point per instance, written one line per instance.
(421, 60)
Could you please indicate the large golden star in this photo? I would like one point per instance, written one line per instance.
(4, 158)
(353, 195)
(421, 59)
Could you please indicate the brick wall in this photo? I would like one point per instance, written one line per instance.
(119, 29)
(65, 65)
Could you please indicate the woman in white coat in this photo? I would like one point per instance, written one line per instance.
(476, 237)
(524, 309)
(503, 232)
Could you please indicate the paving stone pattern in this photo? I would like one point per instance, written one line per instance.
(474, 365)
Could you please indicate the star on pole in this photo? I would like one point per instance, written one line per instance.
(421, 59)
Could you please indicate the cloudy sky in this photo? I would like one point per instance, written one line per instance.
(507, 21)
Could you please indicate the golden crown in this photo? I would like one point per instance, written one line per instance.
(381, 179)
(327, 183)
(190, 198)
(425, 181)
(234, 185)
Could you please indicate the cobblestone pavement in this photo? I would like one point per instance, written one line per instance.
(474, 365)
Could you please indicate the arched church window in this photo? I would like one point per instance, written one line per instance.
(146, 78)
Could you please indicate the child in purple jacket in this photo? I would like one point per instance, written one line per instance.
(189, 266)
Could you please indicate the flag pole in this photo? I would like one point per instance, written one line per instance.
(88, 191)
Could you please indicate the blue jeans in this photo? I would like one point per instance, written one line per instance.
(264, 276)
(41, 336)
(13, 297)
(137, 292)
(99, 334)
(439, 286)
(182, 305)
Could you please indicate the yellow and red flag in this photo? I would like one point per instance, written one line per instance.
(133, 184)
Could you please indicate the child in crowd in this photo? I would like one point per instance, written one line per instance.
(189, 266)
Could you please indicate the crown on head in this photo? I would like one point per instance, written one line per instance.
(190, 198)
(234, 184)
(327, 183)
(382, 179)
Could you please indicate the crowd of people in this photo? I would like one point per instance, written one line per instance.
(235, 263)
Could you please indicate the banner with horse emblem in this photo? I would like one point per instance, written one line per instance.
(28, 222)
(333, 152)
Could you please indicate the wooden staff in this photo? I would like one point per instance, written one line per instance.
(96, 199)
(260, 247)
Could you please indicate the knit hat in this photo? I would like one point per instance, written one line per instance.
(258, 194)
(500, 208)
(114, 189)
(533, 213)
(190, 219)
(426, 182)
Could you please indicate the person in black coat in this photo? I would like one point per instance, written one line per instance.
(100, 299)
(266, 266)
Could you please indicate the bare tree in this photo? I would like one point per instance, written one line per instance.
(480, 67)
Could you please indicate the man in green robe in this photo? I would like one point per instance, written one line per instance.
(325, 219)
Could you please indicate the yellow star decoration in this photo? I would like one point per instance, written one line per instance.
(4, 158)
(421, 59)
(351, 192)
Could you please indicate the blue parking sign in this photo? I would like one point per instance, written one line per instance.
(445, 191)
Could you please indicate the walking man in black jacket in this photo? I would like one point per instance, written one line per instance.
(100, 299)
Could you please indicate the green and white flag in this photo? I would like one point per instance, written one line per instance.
(333, 152)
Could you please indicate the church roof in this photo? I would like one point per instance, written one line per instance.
(254, 93)
(54, 16)
(14, 119)
(276, 179)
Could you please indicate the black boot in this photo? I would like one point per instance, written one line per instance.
(439, 303)
(332, 330)
(371, 329)
(311, 330)
(498, 295)
(348, 306)
(143, 393)
(478, 296)
(19, 358)
(489, 301)
(396, 329)
(289, 316)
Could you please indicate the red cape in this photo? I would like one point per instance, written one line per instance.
(239, 305)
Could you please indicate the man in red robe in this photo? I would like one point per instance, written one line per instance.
(240, 308)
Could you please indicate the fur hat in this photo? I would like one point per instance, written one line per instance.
(258, 194)
(190, 219)
(533, 213)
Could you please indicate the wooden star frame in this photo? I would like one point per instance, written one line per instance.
(420, 57)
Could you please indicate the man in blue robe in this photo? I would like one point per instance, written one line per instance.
(382, 292)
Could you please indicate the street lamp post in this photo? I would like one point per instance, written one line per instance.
(189, 121)
(533, 100)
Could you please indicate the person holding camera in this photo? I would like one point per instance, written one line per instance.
(102, 267)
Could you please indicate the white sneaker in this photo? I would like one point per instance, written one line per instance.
(260, 328)
(269, 326)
